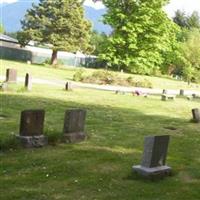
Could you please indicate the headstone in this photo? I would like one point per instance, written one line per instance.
(181, 92)
(31, 128)
(196, 115)
(68, 86)
(154, 157)
(11, 75)
(164, 91)
(165, 97)
(74, 124)
(120, 92)
(28, 82)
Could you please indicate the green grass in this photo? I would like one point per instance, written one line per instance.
(66, 73)
(100, 167)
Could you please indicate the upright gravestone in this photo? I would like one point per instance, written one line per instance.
(74, 124)
(196, 115)
(31, 128)
(164, 91)
(68, 86)
(11, 75)
(181, 92)
(28, 82)
(154, 157)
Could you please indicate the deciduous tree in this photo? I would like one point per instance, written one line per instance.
(141, 33)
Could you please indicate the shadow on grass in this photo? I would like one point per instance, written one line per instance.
(105, 124)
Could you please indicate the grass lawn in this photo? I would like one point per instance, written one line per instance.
(66, 73)
(100, 167)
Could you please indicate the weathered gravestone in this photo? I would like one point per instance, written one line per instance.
(164, 91)
(196, 115)
(31, 128)
(11, 75)
(74, 124)
(28, 82)
(68, 86)
(154, 157)
(165, 97)
(181, 92)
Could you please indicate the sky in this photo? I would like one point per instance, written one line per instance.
(186, 5)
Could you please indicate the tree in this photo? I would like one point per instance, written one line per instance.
(1, 28)
(180, 19)
(193, 21)
(187, 21)
(141, 33)
(60, 23)
(99, 42)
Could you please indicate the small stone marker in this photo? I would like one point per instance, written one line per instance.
(31, 128)
(120, 92)
(181, 92)
(11, 75)
(164, 91)
(74, 124)
(154, 157)
(28, 82)
(196, 115)
(165, 97)
(68, 86)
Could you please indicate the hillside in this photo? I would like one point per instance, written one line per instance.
(11, 15)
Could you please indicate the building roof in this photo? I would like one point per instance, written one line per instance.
(7, 38)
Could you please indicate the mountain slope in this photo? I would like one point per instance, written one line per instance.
(11, 14)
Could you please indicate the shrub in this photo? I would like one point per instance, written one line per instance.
(107, 77)
(78, 76)
(139, 83)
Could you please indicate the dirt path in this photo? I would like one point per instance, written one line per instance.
(61, 83)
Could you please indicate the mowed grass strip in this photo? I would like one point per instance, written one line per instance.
(100, 167)
(66, 73)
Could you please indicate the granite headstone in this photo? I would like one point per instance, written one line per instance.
(74, 124)
(154, 157)
(31, 128)
(11, 75)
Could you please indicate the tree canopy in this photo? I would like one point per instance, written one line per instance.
(187, 21)
(141, 33)
(60, 23)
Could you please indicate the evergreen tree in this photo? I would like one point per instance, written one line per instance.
(194, 21)
(180, 19)
(141, 33)
(60, 23)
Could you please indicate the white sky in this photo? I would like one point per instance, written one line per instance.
(8, 1)
(187, 5)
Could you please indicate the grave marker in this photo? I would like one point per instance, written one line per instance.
(154, 157)
(74, 124)
(68, 86)
(11, 75)
(31, 128)
(28, 82)
(196, 115)
(181, 92)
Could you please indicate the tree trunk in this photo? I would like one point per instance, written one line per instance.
(54, 59)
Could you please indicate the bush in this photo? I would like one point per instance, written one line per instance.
(107, 77)
(78, 76)
(100, 77)
(139, 83)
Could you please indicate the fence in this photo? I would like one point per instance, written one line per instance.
(13, 51)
